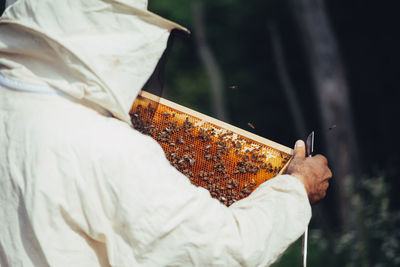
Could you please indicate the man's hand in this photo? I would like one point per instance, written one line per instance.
(313, 172)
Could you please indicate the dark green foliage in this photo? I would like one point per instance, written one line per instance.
(375, 241)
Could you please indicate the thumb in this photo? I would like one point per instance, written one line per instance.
(299, 149)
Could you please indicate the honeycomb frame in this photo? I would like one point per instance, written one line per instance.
(227, 161)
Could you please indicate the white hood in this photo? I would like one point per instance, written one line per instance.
(95, 50)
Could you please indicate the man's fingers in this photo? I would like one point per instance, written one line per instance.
(299, 149)
(322, 158)
(329, 174)
(325, 185)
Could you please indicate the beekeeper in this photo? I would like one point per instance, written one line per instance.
(80, 187)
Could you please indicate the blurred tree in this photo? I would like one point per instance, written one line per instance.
(209, 61)
(332, 92)
(287, 84)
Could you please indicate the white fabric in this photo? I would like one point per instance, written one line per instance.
(80, 188)
(33, 88)
(10, 2)
(102, 51)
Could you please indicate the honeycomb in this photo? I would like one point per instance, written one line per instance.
(227, 161)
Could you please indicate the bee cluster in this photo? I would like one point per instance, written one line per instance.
(228, 165)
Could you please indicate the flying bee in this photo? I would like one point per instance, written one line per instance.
(251, 125)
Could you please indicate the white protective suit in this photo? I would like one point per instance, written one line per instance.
(79, 187)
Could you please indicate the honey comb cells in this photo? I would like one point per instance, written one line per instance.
(227, 161)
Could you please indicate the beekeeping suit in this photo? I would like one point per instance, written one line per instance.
(79, 186)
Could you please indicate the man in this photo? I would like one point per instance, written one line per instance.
(80, 187)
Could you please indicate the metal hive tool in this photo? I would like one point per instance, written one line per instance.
(226, 160)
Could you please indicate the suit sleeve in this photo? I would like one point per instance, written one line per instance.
(155, 217)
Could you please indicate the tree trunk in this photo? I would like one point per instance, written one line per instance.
(333, 95)
(287, 85)
(209, 62)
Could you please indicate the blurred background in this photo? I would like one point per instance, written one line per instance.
(284, 68)
(289, 67)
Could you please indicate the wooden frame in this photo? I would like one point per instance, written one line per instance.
(218, 123)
